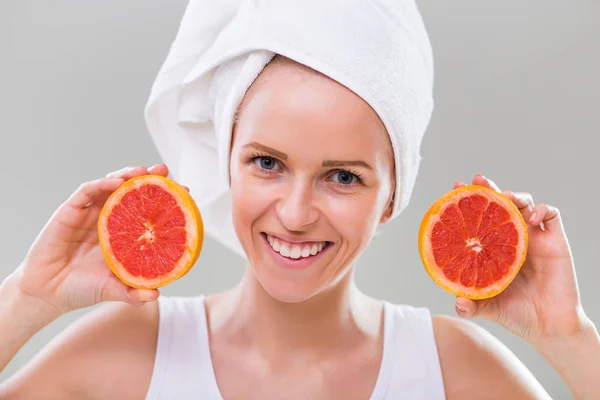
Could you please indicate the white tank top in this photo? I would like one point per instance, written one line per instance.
(410, 367)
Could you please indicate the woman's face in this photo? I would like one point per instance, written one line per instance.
(311, 173)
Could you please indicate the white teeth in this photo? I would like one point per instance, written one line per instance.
(306, 251)
(284, 250)
(293, 250)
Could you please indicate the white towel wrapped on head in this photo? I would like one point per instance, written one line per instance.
(379, 49)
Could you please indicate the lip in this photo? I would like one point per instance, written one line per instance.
(290, 263)
(295, 239)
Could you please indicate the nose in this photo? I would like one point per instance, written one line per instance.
(296, 209)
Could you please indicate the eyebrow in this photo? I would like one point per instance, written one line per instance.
(326, 163)
(357, 163)
(266, 149)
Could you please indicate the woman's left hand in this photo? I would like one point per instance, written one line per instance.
(542, 302)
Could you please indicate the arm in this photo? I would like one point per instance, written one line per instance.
(64, 270)
(542, 304)
(476, 365)
(20, 318)
(577, 360)
(93, 358)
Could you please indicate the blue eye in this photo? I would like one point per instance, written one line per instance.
(345, 177)
(267, 163)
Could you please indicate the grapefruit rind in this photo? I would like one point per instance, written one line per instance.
(194, 228)
(433, 216)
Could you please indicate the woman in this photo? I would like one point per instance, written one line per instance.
(302, 174)
(282, 332)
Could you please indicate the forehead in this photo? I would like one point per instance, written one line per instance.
(294, 108)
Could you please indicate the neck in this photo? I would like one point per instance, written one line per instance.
(336, 319)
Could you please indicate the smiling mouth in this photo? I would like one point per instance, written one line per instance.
(295, 251)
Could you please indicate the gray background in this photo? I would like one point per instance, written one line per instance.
(517, 96)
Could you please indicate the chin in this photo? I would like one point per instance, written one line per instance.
(295, 288)
(287, 289)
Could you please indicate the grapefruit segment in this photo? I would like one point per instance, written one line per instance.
(472, 208)
(452, 219)
(150, 232)
(473, 242)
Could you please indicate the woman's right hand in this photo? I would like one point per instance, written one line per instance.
(64, 269)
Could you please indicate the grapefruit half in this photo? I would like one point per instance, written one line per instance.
(150, 232)
(473, 242)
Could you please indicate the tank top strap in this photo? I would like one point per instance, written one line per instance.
(183, 367)
(410, 367)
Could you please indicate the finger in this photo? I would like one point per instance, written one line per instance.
(187, 189)
(458, 184)
(465, 307)
(159, 169)
(128, 172)
(120, 172)
(523, 201)
(486, 309)
(115, 290)
(142, 296)
(546, 216)
(481, 180)
(94, 191)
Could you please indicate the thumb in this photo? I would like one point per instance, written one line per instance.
(486, 309)
(116, 290)
(139, 297)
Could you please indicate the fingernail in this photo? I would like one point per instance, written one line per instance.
(147, 296)
(533, 217)
(144, 297)
(461, 309)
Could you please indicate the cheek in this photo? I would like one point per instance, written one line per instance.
(244, 195)
(251, 198)
(353, 216)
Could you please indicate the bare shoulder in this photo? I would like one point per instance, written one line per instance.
(477, 365)
(108, 353)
